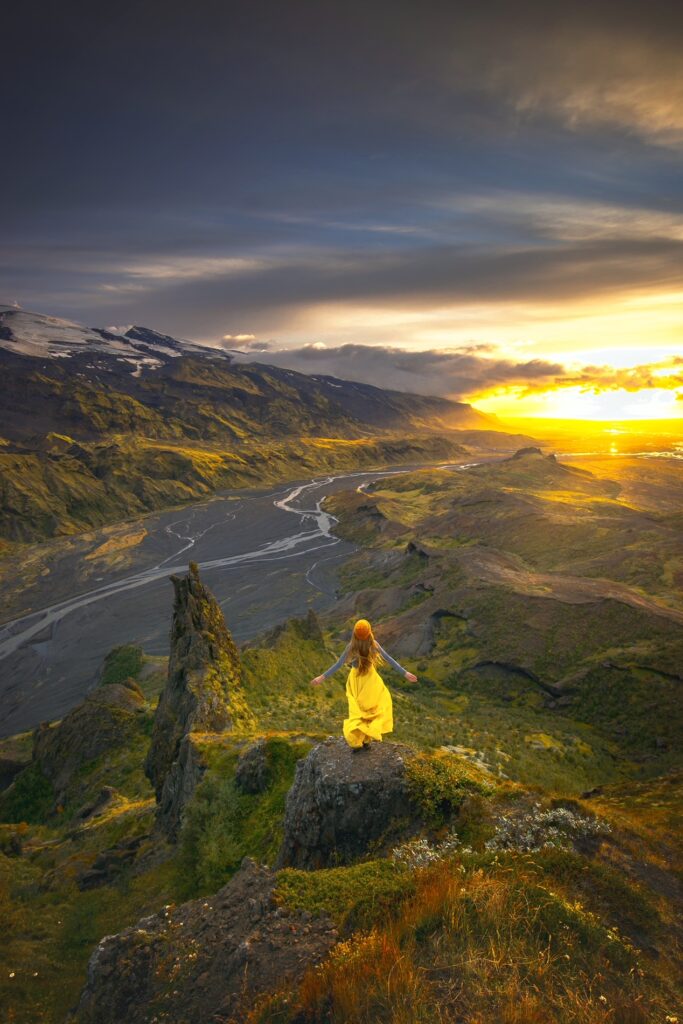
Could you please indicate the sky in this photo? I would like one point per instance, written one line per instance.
(485, 204)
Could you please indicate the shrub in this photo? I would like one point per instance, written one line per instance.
(30, 797)
(124, 662)
(537, 829)
(223, 825)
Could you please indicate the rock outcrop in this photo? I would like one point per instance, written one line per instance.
(105, 720)
(10, 767)
(344, 803)
(206, 959)
(523, 453)
(307, 628)
(109, 864)
(183, 777)
(203, 693)
(252, 772)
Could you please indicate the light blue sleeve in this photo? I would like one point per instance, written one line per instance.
(338, 664)
(394, 664)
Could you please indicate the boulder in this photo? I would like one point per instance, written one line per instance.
(307, 628)
(203, 693)
(99, 805)
(209, 958)
(345, 803)
(252, 773)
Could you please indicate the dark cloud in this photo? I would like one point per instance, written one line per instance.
(462, 374)
(375, 153)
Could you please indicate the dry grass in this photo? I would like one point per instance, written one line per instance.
(482, 946)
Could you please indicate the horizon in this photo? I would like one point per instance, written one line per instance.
(665, 425)
(484, 204)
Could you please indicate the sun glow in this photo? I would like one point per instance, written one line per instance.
(579, 403)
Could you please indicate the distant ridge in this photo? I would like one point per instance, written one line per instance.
(173, 395)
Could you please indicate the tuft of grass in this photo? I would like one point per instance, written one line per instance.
(493, 944)
(358, 896)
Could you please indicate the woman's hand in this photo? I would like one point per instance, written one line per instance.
(317, 681)
(410, 677)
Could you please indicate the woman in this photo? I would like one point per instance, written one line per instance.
(370, 708)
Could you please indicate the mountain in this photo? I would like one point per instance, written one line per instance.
(49, 337)
(54, 373)
(98, 425)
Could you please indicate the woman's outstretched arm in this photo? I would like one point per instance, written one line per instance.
(395, 664)
(333, 668)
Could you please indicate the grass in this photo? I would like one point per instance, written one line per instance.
(224, 825)
(483, 936)
(124, 662)
(355, 897)
(30, 799)
(439, 784)
(491, 943)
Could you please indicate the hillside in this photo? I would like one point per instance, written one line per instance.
(483, 894)
(99, 425)
(540, 601)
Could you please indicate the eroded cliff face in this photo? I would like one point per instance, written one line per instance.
(203, 693)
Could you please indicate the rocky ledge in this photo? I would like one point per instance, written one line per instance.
(204, 960)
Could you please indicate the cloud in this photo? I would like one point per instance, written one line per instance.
(464, 373)
(271, 296)
(239, 337)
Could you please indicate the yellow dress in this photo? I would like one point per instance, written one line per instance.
(370, 707)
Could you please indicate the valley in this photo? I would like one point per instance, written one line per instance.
(267, 555)
(186, 543)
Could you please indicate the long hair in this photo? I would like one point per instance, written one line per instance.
(364, 650)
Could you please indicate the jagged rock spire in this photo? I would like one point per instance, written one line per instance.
(203, 692)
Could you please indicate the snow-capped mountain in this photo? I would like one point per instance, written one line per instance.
(49, 337)
(58, 376)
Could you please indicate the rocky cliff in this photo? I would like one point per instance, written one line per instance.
(203, 693)
(204, 960)
(104, 721)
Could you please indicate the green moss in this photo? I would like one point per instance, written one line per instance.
(30, 798)
(439, 784)
(124, 662)
(355, 897)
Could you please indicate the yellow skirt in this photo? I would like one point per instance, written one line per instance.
(370, 708)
